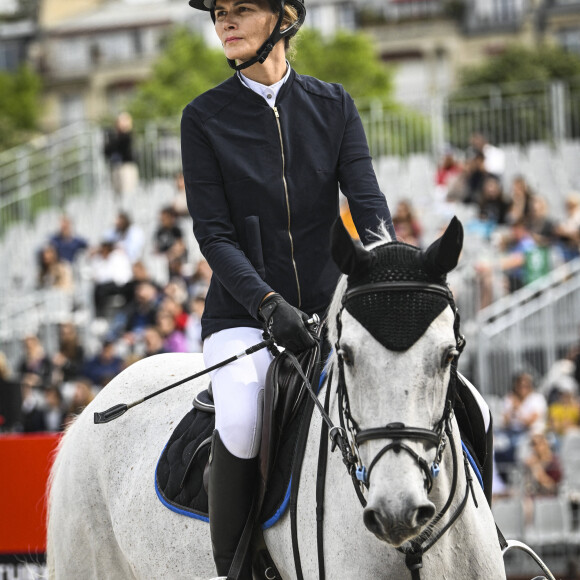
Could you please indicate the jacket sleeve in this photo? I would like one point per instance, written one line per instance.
(212, 223)
(368, 205)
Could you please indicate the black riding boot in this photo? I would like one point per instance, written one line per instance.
(232, 483)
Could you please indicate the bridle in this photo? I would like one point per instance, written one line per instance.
(397, 433)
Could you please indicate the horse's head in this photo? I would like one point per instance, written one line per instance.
(393, 322)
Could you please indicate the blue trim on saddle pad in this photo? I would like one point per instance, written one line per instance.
(473, 464)
(280, 512)
(171, 506)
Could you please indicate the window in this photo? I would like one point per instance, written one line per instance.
(72, 108)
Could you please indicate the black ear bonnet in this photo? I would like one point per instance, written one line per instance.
(396, 318)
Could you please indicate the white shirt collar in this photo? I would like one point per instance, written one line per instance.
(270, 94)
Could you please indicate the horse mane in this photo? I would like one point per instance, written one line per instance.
(380, 236)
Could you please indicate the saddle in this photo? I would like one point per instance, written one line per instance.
(181, 474)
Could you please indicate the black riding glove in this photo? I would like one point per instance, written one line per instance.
(286, 324)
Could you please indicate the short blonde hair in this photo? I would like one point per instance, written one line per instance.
(290, 17)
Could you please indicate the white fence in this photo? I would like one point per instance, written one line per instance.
(528, 330)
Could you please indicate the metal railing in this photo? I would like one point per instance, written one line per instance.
(528, 330)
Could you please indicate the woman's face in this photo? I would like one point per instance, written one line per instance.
(243, 26)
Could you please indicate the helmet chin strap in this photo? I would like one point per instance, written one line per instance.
(268, 46)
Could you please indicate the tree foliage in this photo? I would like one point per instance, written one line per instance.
(519, 63)
(187, 68)
(19, 106)
(347, 58)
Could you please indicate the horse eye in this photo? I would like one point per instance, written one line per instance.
(449, 356)
(347, 356)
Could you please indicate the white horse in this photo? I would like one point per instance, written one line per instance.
(106, 521)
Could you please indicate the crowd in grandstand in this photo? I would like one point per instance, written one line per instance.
(136, 317)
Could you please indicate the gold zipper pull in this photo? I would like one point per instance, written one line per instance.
(276, 112)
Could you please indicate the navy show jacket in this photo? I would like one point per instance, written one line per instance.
(262, 188)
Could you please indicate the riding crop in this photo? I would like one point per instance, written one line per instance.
(117, 410)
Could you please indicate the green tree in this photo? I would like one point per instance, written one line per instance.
(519, 63)
(186, 68)
(19, 106)
(512, 90)
(347, 58)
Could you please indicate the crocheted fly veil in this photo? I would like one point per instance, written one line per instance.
(393, 313)
(396, 318)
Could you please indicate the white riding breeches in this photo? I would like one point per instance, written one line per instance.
(238, 388)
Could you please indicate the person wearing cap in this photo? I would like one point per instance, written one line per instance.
(264, 154)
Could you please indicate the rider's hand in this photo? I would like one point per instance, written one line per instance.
(286, 324)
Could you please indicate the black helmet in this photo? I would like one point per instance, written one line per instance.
(277, 34)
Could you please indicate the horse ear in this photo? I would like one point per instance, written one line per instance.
(443, 254)
(349, 255)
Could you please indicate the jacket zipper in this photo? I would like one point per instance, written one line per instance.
(287, 204)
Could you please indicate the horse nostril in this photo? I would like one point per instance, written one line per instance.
(371, 521)
(424, 514)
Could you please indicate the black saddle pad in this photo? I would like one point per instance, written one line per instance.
(179, 474)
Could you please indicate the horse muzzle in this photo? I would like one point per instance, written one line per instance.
(396, 528)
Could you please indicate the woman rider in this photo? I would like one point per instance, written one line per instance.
(263, 155)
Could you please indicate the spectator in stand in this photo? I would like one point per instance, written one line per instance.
(140, 313)
(32, 414)
(173, 339)
(169, 241)
(119, 153)
(10, 399)
(68, 246)
(469, 187)
(175, 302)
(52, 271)
(193, 328)
(407, 226)
(69, 359)
(564, 412)
(494, 157)
(83, 394)
(521, 201)
(543, 470)
(104, 366)
(140, 274)
(179, 203)
(568, 230)
(53, 413)
(448, 170)
(127, 236)
(167, 232)
(525, 409)
(515, 247)
(493, 207)
(35, 363)
(110, 271)
(201, 279)
(541, 226)
(153, 342)
(524, 412)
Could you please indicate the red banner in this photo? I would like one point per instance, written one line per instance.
(25, 462)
